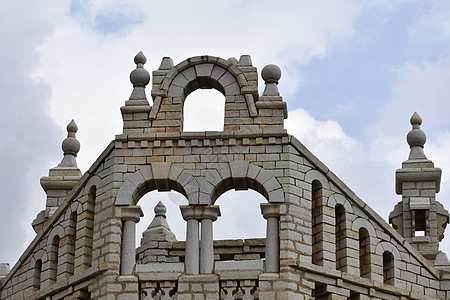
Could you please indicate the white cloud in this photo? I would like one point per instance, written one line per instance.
(82, 73)
(29, 136)
(370, 178)
(88, 70)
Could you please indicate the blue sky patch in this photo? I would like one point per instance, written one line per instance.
(112, 22)
(106, 22)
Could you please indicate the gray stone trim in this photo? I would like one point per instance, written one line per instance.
(58, 230)
(76, 206)
(160, 176)
(203, 72)
(312, 175)
(93, 181)
(387, 246)
(364, 223)
(239, 175)
(41, 254)
(340, 199)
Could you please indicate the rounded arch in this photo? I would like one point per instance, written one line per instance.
(41, 254)
(239, 175)
(74, 207)
(56, 231)
(340, 199)
(386, 246)
(363, 223)
(312, 175)
(204, 72)
(157, 176)
(94, 181)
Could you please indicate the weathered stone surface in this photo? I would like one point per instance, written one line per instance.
(322, 240)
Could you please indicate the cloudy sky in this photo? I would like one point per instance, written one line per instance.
(353, 74)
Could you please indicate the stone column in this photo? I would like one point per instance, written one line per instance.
(271, 212)
(208, 214)
(130, 216)
(192, 245)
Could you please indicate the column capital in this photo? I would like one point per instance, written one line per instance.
(270, 210)
(131, 213)
(200, 212)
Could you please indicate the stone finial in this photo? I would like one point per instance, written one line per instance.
(70, 146)
(160, 210)
(271, 74)
(159, 229)
(160, 218)
(139, 77)
(416, 138)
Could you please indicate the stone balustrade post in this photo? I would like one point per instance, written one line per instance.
(208, 215)
(130, 216)
(192, 244)
(271, 212)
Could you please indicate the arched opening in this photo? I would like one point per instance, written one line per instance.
(70, 243)
(153, 240)
(340, 234)
(241, 215)
(388, 268)
(242, 224)
(156, 179)
(317, 223)
(37, 275)
(54, 258)
(87, 241)
(204, 110)
(364, 253)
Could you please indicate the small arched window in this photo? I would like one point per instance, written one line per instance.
(54, 258)
(364, 253)
(88, 239)
(340, 234)
(37, 275)
(317, 223)
(71, 243)
(388, 268)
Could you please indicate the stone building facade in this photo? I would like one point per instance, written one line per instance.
(322, 241)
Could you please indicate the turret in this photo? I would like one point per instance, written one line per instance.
(419, 218)
(60, 179)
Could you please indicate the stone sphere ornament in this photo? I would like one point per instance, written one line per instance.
(271, 74)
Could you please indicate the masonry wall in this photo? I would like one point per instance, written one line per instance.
(198, 155)
(325, 230)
